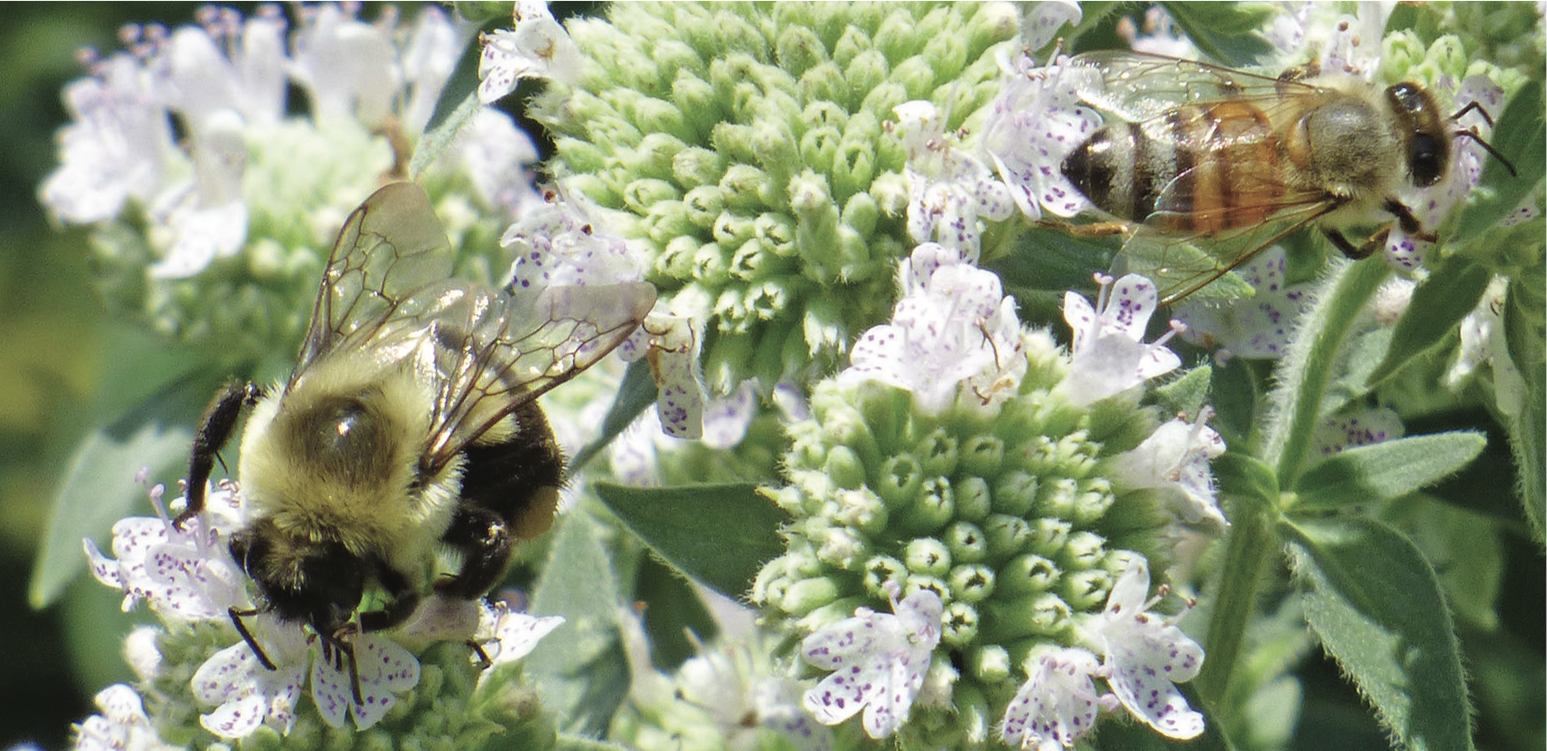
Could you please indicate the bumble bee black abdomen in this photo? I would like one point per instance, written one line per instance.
(510, 491)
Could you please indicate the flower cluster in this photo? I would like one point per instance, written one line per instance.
(748, 143)
(215, 236)
(1001, 523)
(251, 682)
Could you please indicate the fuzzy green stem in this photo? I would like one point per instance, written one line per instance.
(1251, 484)
(1305, 373)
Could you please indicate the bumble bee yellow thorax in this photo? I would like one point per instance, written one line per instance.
(336, 457)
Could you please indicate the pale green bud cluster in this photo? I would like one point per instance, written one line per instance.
(1003, 511)
(447, 709)
(300, 183)
(749, 143)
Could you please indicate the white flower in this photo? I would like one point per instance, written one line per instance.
(1057, 704)
(952, 325)
(1339, 433)
(1041, 21)
(538, 47)
(1036, 121)
(1176, 458)
(498, 155)
(1108, 350)
(1144, 657)
(122, 726)
(246, 694)
(565, 241)
(878, 662)
(1259, 326)
(949, 189)
(207, 218)
(186, 574)
(115, 148)
(1158, 36)
(1482, 340)
(731, 684)
(506, 636)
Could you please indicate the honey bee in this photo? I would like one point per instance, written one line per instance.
(1234, 162)
(410, 423)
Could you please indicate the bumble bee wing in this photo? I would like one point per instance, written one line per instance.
(1138, 86)
(496, 352)
(390, 247)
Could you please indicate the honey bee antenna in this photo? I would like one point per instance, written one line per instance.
(1489, 148)
(241, 628)
(1473, 106)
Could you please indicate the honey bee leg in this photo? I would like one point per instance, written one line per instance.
(1349, 249)
(1097, 229)
(214, 430)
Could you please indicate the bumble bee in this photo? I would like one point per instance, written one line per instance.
(1234, 162)
(410, 423)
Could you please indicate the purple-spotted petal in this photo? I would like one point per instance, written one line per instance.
(1057, 704)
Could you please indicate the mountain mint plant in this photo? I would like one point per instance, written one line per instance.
(933, 463)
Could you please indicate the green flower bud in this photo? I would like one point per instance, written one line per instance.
(932, 507)
(960, 624)
(805, 596)
(974, 502)
(971, 582)
(990, 664)
(1027, 574)
(927, 556)
(1007, 535)
(899, 482)
(967, 542)
(881, 569)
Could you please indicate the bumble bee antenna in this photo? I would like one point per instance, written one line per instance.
(241, 628)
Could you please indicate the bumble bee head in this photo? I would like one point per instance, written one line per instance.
(320, 583)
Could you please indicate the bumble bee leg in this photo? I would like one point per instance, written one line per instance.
(241, 628)
(214, 430)
(1098, 229)
(483, 657)
(486, 543)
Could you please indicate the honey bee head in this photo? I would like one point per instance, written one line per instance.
(1422, 130)
(316, 582)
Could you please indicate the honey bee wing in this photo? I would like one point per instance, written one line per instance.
(1181, 265)
(391, 247)
(495, 352)
(1139, 86)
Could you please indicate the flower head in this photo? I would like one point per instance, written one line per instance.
(953, 325)
(878, 662)
(215, 237)
(747, 144)
(1144, 657)
(1108, 346)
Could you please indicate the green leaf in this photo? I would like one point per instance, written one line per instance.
(1375, 604)
(635, 395)
(672, 609)
(1188, 394)
(1466, 553)
(1523, 339)
(99, 487)
(1384, 471)
(1227, 32)
(580, 668)
(1246, 477)
(1175, 266)
(457, 104)
(1520, 136)
(1438, 306)
(720, 535)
